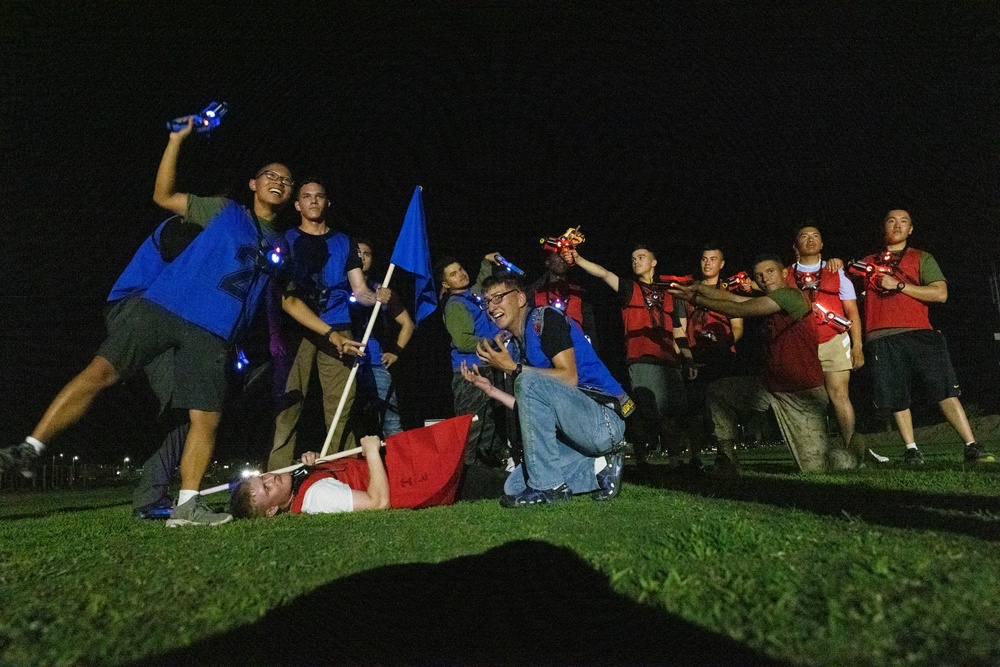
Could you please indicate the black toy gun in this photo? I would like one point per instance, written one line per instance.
(826, 316)
(205, 121)
(874, 271)
(571, 238)
(739, 283)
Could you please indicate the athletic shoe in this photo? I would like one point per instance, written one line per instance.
(976, 454)
(609, 480)
(21, 457)
(912, 457)
(531, 496)
(154, 511)
(195, 513)
(725, 467)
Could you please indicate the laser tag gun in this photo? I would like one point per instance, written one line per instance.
(826, 316)
(571, 238)
(739, 283)
(205, 121)
(508, 267)
(668, 281)
(873, 272)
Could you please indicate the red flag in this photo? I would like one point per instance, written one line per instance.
(425, 464)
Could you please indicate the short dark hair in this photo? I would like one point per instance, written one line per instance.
(310, 179)
(441, 265)
(769, 257)
(506, 279)
(808, 222)
(712, 245)
(241, 503)
(644, 246)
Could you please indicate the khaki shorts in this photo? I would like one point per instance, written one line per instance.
(835, 354)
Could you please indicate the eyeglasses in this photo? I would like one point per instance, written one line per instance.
(275, 176)
(497, 298)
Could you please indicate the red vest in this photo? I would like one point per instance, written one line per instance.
(562, 295)
(827, 294)
(884, 311)
(792, 362)
(709, 333)
(352, 472)
(649, 324)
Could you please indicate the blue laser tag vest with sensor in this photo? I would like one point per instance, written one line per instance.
(217, 283)
(325, 288)
(483, 327)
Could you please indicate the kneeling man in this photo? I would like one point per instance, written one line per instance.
(792, 382)
(571, 410)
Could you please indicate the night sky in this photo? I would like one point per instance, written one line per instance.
(671, 122)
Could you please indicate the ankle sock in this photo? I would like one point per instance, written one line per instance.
(185, 495)
(36, 443)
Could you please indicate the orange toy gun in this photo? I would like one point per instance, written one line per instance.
(667, 281)
(739, 283)
(571, 238)
(874, 271)
(826, 316)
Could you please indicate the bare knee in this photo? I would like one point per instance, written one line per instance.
(99, 374)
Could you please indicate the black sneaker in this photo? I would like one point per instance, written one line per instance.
(725, 467)
(912, 457)
(531, 496)
(976, 454)
(21, 457)
(609, 480)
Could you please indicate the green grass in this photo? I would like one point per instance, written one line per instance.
(881, 566)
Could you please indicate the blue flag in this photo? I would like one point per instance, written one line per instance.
(413, 253)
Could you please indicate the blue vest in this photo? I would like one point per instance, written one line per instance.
(591, 372)
(483, 327)
(145, 265)
(359, 317)
(331, 279)
(215, 282)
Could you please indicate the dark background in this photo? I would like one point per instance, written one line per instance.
(672, 122)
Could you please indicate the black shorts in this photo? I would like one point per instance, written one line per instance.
(143, 331)
(900, 362)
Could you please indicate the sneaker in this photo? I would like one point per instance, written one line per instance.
(725, 467)
(531, 496)
(157, 511)
(912, 457)
(21, 457)
(976, 454)
(609, 480)
(195, 513)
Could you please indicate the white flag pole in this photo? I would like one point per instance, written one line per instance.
(295, 466)
(354, 368)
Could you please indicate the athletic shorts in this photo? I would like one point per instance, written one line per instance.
(835, 354)
(145, 330)
(899, 362)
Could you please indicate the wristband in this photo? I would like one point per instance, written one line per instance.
(328, 332)
(517, 371)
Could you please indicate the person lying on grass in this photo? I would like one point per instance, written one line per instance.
(344, 485)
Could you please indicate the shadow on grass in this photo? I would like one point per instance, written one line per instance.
(523, 603)
(965, 514)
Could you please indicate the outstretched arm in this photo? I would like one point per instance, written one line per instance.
(593, 269)
(164, 190)
(472, 376)
(302, 314)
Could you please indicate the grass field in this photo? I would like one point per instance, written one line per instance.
(883, 566)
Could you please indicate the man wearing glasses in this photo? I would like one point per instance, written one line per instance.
(197, 306)
(324, 268)
(571, 410)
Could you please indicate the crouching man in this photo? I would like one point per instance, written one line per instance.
(792, 381)
(571, 411)
(343, 485)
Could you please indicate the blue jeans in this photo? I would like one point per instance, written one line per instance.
(376, 382)
(563, 431)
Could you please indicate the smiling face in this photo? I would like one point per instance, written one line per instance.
(455, 278)
(769, 275)
(270, 492)
(272, 186)
(808, 243)
(312, 202)
(897, 227)
(505, 305)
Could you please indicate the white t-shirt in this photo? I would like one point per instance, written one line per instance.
(328, 496)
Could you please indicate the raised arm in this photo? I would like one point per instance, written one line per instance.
(164, 190)
(376, 497)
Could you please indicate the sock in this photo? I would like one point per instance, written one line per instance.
(186, 495)
(36, 443)
(600, 463)
(911, 445)
(971, 442)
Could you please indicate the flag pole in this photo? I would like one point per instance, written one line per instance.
(295, 466)
(354, 367)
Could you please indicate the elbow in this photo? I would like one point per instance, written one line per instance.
(382, 502)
